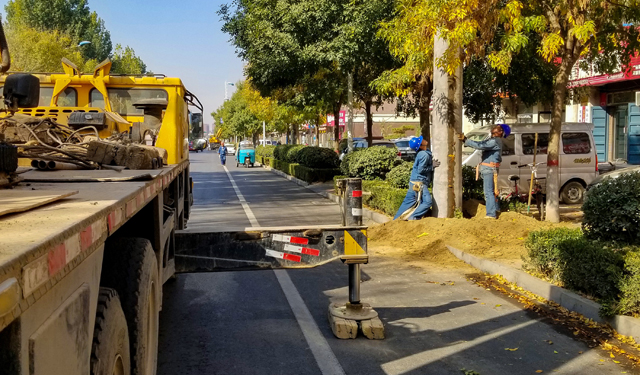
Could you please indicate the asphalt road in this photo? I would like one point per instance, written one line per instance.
(274, 322)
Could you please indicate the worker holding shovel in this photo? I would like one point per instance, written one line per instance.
(418, 199)
(488, 168)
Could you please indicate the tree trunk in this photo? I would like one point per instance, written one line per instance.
(369, 120)
(423, 111)
(317, 130)
(336, 125)
(553, 165)
(294, 137)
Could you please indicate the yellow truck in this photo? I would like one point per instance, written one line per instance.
(84, 254)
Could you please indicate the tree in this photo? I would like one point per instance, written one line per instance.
(41, 51)
(595, 30)
(125, 61)
(72, 17)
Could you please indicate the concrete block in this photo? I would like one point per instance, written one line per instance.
(581, 305)
(373, 329)
(343, 328)
(626, 325)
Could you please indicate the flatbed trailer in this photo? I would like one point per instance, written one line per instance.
(55, 259)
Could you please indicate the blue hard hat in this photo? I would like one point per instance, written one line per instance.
(415, 143)
(506, 129)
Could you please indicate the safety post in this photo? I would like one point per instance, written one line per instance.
(346, 320)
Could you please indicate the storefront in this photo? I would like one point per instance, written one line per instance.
(612, 107)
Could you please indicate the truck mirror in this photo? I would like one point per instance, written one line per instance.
(21, 91)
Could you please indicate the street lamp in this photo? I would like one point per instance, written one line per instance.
(84, 43)
(226, 96)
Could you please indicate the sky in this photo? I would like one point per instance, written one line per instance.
(178, 39)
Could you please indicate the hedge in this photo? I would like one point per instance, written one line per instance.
(612, 210)
(371, 163)
(604, 270)
(265, 151)
(303, 173)
(399, 176)
(318, 157)
(379, 195)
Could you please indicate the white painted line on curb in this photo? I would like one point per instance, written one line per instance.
(245, 206)
(324, 356)
(319, 346)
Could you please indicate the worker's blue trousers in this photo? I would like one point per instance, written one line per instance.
(223, 159)
(410, 200)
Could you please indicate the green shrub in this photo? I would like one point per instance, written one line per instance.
(318, 157)
(543, 248)
(345, 164)
(630, 285)
(471, 189)
(372, 163)
(399, 176)
(280, 152)
(612, 210)
(303, 173)
(265, 151)
(580, 264)
(293, 154)
(382, 196)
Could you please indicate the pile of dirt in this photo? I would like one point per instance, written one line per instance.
(426, 239)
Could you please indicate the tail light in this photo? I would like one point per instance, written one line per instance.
(399, 153)
(596, 162)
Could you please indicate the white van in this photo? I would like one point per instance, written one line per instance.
(578, 159)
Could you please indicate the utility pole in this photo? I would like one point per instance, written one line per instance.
(264, 133)
(447, 119)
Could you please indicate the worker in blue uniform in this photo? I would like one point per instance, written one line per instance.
(418, 200)
(223, 153)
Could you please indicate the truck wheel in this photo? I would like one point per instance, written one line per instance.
(134, 274)
(572, 193)
(110, 347)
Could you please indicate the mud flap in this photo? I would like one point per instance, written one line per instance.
(269, 248)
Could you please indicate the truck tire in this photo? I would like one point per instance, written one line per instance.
(572, 193)
(110, 348)
(134, 274)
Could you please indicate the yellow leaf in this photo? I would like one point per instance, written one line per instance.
(616, 361)
(602, 360)
(555, 352)
(538, 371)
(511, 350)
(498, 305)
(611, 355)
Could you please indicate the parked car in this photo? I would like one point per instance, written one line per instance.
(267, 142)
(578, 159)
(615, 174)
(360, 143)
(231, 149)
(406, 152)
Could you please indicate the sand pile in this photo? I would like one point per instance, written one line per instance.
(426, 239)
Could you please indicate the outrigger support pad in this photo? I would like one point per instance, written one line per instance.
(346, 320)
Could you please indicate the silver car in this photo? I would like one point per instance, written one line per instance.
(406, 153)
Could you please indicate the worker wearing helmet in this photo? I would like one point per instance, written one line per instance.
(418, 199)
(488, 168)
(223, 153)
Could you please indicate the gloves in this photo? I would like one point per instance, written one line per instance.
(435, 163)
(462, 137)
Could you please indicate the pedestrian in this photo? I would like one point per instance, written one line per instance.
(488, 168)
(418, 199)
(222, 150)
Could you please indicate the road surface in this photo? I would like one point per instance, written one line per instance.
(274, 322)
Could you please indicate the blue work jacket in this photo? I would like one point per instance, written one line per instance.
(423, 167)
(491, 149)
(222, 151)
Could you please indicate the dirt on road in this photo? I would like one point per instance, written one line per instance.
(425, 240)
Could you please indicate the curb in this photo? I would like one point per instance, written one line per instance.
(624, 325)
(366, 213)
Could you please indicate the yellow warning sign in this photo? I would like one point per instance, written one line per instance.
(351, 246)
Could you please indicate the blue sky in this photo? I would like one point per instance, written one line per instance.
(176, 38)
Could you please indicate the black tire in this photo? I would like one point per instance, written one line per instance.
(572, 193)
(134, 274)
(110, 347)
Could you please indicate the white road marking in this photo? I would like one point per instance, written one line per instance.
(325, 358)
(319, 346)
(245, 205)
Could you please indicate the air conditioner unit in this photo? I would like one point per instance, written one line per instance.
(638, 98)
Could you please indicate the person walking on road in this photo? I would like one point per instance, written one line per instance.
(222, 150)
(418, 199)
(488, 168)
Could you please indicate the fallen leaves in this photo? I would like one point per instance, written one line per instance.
(511, 350)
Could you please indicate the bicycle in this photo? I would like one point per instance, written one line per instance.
(538, 190)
